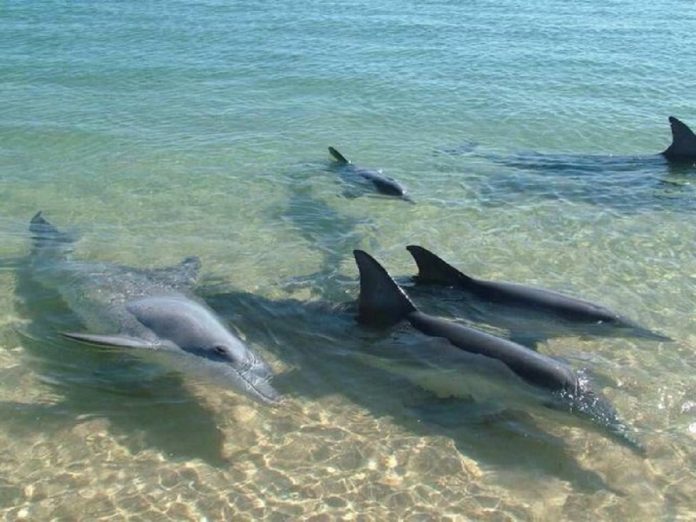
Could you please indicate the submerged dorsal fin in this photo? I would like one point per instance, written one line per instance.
(432, 269)
(382, 302)
(48, 240)
(683, 141)
(183, 275)
(338, 156)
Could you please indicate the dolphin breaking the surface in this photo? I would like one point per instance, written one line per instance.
(383, 303)
(382, 183)
(567, 311)
(150, 310)
(683, 147)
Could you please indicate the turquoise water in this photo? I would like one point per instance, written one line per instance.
(523, 131)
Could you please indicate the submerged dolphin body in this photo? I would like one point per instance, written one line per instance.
(432, 270)
(683, 147)
(383, 184)
(628, 184)
(383, 303)
(150, 310)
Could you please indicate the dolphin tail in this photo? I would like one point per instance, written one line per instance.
(382, 302)
(338, 156)
(47, 238)
(432, 269)
(683, 141)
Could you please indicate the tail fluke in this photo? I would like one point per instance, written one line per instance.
(338, 156)
(683, 141)
(382, 302)
(432, 269)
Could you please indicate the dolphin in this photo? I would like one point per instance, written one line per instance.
(383, 303)
(384, 184)
(683, 147)
(624, 183)
(432, 270)
(153, 311)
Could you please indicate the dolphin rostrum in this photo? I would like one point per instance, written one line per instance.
(383, 184)
(435, 271)
(383, 303)
(683, 147)
(151, 310)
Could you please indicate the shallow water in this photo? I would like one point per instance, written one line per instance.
(524, 132)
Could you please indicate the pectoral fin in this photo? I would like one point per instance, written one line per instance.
(108, 340)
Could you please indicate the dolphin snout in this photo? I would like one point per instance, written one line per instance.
(256, 381)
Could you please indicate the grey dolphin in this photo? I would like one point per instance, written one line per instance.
(435, 271)
(151, 310)
(383, 303)
(683, 147)
(384, 184)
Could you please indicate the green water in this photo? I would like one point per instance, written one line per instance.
(524, 132)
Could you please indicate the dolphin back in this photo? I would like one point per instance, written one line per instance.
(683, 141)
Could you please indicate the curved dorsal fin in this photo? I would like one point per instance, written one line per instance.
(432, 269)
(48, 240)
(382, 302)
(683, 141)
(338, 156)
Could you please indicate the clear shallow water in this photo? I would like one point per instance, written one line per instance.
(169, 129)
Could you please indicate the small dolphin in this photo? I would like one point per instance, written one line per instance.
(384, 184)
(383, 303)
(683, 147)
(434, 270)
(147, 310)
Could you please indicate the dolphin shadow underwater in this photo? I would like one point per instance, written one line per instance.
(531, 315)
(394, 373)
(368, 178)
(326, 231)
(626, 184)
(152, 332)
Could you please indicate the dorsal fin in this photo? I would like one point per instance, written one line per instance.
(185, 274)
(48, 240)
(432, 269)
(338, 156)
(683, 141)
(382, 302)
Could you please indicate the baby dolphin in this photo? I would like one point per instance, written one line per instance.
(149, 310)
(434, 270)
(683, 147)
(384, 184)
(383, 303)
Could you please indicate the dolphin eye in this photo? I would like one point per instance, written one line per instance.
(220, 350)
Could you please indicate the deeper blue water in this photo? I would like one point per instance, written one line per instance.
(527, 134)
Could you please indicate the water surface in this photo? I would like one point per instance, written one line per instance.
(524, 131)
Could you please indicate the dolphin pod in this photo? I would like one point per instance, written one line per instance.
(383, 303)
(382, 183)
(151, 311)
(432, 270)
